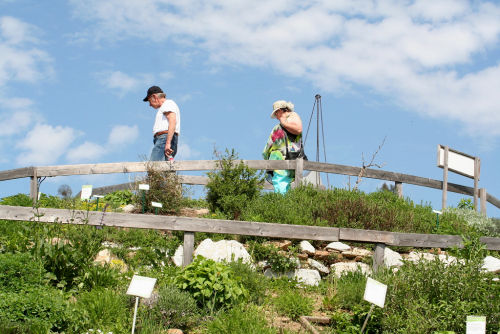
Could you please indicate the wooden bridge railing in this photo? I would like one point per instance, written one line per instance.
(202, 165)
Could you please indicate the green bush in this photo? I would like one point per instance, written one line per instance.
(233, 186)
(174, 308)
(44, 307)
(19, 272)
(119, 197)
(477, 221)
(241, 320)
(255, 282)
(212, 284)
(294, 304)
(347, 290)
(17, 200)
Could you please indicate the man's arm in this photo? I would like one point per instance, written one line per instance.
(171, 130)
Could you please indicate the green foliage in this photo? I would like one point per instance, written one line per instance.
(240, 320)
(233, 186)
(174, 308)
(119, 197)
(46, 307)
(255, 282)
(17, 200)
(19, 272)
(476, 221)
(101, 308)
(294, 304)
(466, 203)
(281, 262)
(259, 250)
(212, 284)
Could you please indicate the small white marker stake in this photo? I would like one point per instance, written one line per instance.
(143, 186)
(375, 293)
(476, 325)
(86, 192)
(140, 286)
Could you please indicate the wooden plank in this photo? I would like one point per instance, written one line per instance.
(176, 223)
(445, 178)
(188, 248)
(493, 200)
(399, 189)
(483, 195)
(18, 173)
(299, 171)
(491, 243)
(367, 236)
(426, 240)
(34, 186)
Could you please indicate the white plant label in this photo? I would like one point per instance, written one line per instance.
(98, 196)
(375, 292)
(476, 325)
(141, 286)
(156, 204)
(144, 186)
(86, 191)
(39, 193)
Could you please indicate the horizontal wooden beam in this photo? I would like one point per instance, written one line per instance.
(271, 230)
(173, 223)
(18, 173)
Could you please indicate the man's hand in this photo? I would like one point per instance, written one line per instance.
(168, 150)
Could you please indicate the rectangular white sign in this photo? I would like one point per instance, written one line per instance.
(144, 186)
(475, 325)
(98, 196)
(156, 204)
(86, 192)
(141, 286)
(458, 162)
(375, 292)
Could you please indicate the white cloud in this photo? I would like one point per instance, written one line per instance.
(122, 82)
(19, 60)
(44, 144)
(17, 121)
(184, 152)
(122, 135)
(407, 51)
(85, 152)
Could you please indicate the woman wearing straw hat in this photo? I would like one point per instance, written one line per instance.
(285, 141)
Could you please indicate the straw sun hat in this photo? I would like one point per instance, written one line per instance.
(281, 105)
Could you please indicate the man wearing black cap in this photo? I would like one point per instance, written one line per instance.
(167, 125)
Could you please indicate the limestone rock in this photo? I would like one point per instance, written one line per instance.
(272, 274)
(105, 256)
(302, 256)
(338, 246)
(222, 250)
(128, 208)
(307, 276)
(415, 256)
(392, 258)
(491, 264)
(306, 247)
(178, 257)
(341, 267)
(321, 255)
(318, 266)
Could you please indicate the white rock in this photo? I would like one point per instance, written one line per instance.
(338, 246)
(341, 267)
(222, 250)
(306, 247)
(128, 208)
(307, 276)
(178, 257)
(392, 258)
(319, 266)
(272, 274)
(416, 256)
(491, 263)
(105, 256)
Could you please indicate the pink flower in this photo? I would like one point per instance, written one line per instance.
(278, 135)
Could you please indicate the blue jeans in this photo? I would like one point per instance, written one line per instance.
(158, 152)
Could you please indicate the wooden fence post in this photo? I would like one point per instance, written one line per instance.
(483, 195)
(399, 189)
(34, 187)
(445, 178)
(188, 248)
(299, 171)
(378, 257)
(476, 182)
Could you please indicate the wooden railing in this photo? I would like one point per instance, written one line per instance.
(202, 165)
(192, 225)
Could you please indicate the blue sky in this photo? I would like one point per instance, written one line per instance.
(73, 75)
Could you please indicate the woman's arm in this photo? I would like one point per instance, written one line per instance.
(291, 122)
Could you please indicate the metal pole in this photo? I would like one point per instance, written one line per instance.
(143, 200)
(366, 320)
(135, 314)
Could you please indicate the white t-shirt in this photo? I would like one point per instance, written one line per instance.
(161, 121)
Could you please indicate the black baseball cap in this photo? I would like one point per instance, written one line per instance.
(152, 90)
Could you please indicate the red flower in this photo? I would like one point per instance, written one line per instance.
(278, 135)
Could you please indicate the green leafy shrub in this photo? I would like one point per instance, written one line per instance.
(281, 262)
(174, 308)
(17, 200)
(294, 304)
(255, 282)
(233, 186)
(119, 197)
(19, 271)
(239, 320)
(477, 221)
(44, 307)
(212, 284)
(260, 250)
